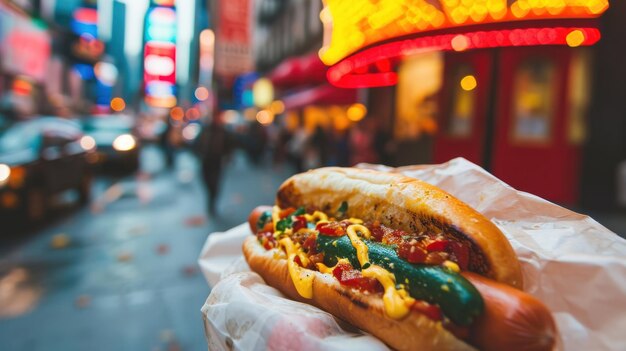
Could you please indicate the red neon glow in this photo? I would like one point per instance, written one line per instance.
(86, 15)
(367, 68)
(28, 52)
(160, 62)
(22, 87)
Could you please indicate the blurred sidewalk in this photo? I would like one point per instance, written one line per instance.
(122, 275)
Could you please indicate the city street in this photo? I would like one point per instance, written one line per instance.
(121, 274)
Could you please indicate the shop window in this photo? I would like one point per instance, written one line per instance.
(463, 93)
(533, 101)
(419, 80)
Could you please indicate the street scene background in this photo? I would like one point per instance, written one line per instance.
(122, 274)
(130, 130)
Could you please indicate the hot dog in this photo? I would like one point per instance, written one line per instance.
(398, 258)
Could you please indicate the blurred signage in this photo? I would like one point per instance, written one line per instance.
(85, 71)
(170, 3)
(349, 28)
(160, 63)
(207, 51)
(26, 47)
(161, 24)
(85, 22)
(242, 89)
(160, 55)
(160, 89)
(86, 47)
(233, 47)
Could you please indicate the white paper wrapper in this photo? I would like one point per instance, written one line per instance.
(573, 264)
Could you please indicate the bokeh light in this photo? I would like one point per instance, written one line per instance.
(124, 142)
(192, 114)
(469, 83)
(201, 93)
(265, 117)
(460, 43)
(191, 131)
(263, 92)
(118, 104)
(575, 38)
(356, 112)
(232, 116)
(277, 107)
(5, 172)
(87, 142)
(177, 113)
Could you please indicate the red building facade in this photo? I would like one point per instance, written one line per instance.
(505, 84)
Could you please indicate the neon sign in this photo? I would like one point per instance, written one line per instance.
(353, 25)
(160, 63)
(161, 25)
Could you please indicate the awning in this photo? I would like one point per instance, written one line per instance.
(304, 70)
(325, 94)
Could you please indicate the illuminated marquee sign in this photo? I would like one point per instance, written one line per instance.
(371, 32)
(352, 25)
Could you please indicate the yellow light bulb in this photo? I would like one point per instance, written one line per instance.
(575, 38)
(468, 83)
(356, 112)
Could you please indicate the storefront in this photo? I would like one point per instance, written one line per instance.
(308, 99)
(25, 47)
(504, 84)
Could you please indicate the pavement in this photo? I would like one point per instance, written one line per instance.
(122, 273)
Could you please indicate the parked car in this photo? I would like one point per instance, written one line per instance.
(39, 159)
(114, 141)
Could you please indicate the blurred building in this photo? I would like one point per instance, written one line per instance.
(40, 53)
(160, 35)
(288, 36)
(528, 90)
(74, 57)
(505, 84)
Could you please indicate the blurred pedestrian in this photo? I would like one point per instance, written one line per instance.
(166, 147)
(214, 148)
(384, 146)
(362, 148)
(256, 142)
(281, 143)
(297, 147)
(341, 149)
(320, 145)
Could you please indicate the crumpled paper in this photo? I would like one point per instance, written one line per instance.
(573, 264)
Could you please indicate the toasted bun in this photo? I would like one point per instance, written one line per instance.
(409, 204)
(414, 332)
